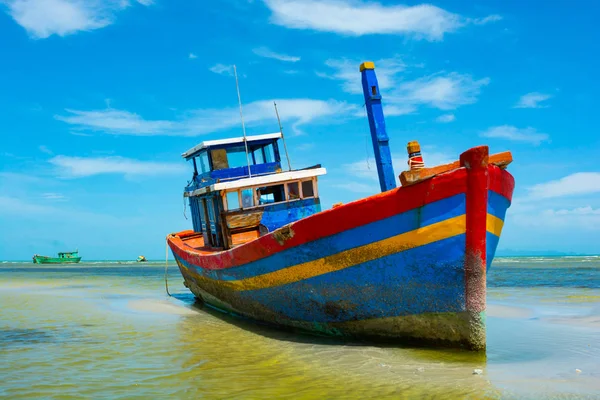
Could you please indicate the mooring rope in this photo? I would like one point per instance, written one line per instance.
(185, 216)
(167, 265)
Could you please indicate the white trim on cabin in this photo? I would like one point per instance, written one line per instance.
(208, 143)
(260, 181)
(268, 179)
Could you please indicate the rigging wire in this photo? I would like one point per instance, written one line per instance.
(282, 137)
(237, 86)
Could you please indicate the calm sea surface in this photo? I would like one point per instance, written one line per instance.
(108, 330)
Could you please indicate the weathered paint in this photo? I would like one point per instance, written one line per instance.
(277, 215)
(381, 147)
(475, 161)
(394, 265)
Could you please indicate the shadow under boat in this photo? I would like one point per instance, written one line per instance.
(297, 335)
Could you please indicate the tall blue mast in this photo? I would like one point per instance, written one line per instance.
(381, 147)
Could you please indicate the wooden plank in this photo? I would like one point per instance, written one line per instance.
(411, 177)
(243, 220)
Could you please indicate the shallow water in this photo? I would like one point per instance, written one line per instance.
(109, 330)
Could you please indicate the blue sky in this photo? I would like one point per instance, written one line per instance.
(99, 98)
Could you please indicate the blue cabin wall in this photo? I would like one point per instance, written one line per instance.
(241, 172)
(277, 215)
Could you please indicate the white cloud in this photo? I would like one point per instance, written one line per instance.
(43, 18)
(266, 53)
(356, 18)
(222, 69)
(446, 118)
(587, 210)
(486, 20)
(532, 100)
(580, 183)
(203, 121)
(584, 218)
(77, 167)
(528, 135)
(442, 91)
(347, 71)
(117, 121)
(367, 169)
(53, 196)
(445, 91)
(192, 56)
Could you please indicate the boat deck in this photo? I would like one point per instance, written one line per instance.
(195, 240)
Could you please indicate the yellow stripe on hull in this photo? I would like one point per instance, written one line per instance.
(494, 225)
(358, 255)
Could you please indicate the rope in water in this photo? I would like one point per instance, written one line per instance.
(166, 266)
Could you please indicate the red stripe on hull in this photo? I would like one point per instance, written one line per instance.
(330, 222)
(501, 182)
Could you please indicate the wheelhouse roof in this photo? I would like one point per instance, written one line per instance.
(259, 180)
(212, 143)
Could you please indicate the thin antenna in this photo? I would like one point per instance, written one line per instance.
(237, 85)
(282, 137)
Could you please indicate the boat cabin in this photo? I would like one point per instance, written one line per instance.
(69, 254)
(236, 195)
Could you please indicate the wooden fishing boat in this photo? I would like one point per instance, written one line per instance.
(408, 264)
(66, 257)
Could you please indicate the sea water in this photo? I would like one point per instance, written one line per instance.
(109, 330)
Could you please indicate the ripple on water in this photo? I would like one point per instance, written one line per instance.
(115, 334)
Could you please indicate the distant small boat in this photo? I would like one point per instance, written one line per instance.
(65, 257)
(141, 259)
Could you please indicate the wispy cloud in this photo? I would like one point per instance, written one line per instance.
(43, 18)
(346, 71)
(533, 100)
(444, 91)
(222, 69)
(266, 53)
(528, 135)
(198, 122)
(53, 196)
(78, 167)
(192, 56)
(367, 169)
(446, 118)
(44, 149)
(580, 183)
(356, 18)
(584, 218)
(486, 20)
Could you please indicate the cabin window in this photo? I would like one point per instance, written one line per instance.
(270, 194)
(293, 191)
(219, 159)
(233, 201)
(204, 166)
(236, 156)
(258, 156)
(307, 189)
(269, 154)
(247, 198)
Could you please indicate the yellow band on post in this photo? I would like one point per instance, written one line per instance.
(367, 65)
